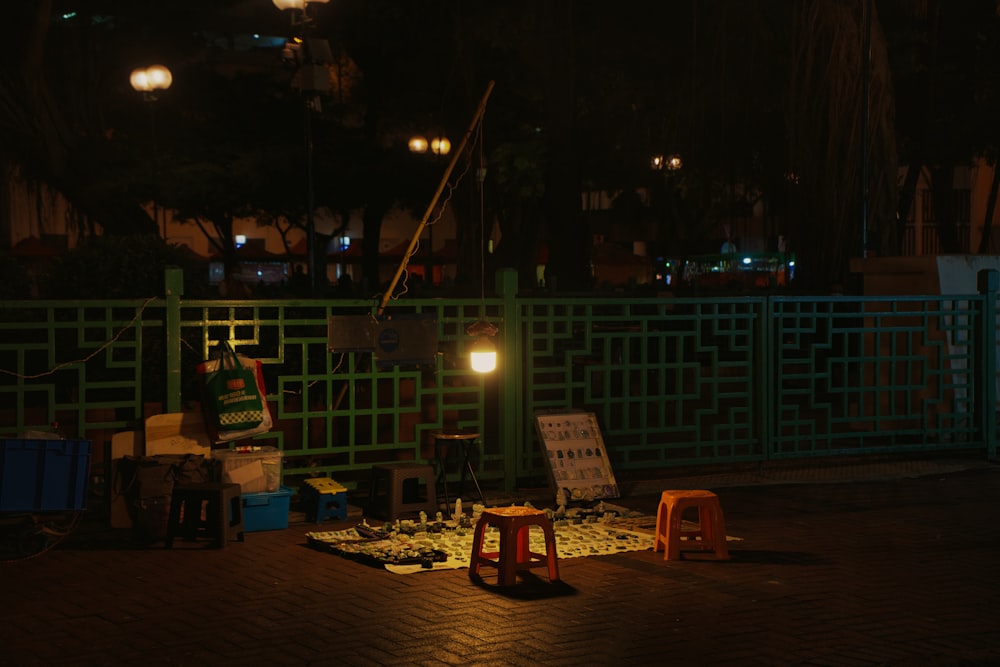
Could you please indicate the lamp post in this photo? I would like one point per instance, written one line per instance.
(439, 146)
(311, 79)
(151, 81)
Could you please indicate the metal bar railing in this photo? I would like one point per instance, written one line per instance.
(672, 381)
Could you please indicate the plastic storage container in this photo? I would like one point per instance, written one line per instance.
(266, 511)
(256, 471)
(44, 475)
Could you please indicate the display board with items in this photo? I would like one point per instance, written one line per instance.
(575, 455)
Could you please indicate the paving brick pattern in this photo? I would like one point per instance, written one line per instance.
(901, 570)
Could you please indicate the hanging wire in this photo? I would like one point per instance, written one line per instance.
(450, 188)
(482, 326)
(108, 343)
(481, 180)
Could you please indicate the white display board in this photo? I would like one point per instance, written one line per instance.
(575, 454)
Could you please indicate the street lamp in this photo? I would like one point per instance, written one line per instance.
(299, 5)
(151, 81)
(438, 146)
(669, 162)
(311, 79)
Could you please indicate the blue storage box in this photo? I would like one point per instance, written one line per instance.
(266, 511)
(43, 475)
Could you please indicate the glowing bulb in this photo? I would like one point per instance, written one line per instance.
(483, 355)
(418, 145)
(151, 79)
(440, 146)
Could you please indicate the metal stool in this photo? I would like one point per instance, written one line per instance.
(711, 525)
(514, 554)
(221, 505)
(467, 439)
(395, 490)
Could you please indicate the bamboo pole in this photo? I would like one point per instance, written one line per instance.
(434, 200)
(423, 221)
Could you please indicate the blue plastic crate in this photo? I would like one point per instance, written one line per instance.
(266, 511)
(43, 475)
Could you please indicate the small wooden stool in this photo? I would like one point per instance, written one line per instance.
(711, 524)
(322, 498)
(223, 511)
(514, 552)
(394, 490)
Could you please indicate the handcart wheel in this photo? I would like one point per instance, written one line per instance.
(33, 534)
(31, 541)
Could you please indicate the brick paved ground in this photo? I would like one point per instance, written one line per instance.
(898, 570)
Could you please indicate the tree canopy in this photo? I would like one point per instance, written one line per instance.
(768, 102)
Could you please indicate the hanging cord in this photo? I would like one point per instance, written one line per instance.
(90, 356)
(459, 153)
(481, 179)
(450, 188)
(482, 326)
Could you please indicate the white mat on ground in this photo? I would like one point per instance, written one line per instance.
(422, 551)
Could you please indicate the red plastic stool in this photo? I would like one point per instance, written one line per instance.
(711, 525)
(514, 555)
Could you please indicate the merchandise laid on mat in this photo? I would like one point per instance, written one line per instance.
(233, 396)
(433, 543)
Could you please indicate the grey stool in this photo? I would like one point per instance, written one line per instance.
(396, 490)
(223, 510)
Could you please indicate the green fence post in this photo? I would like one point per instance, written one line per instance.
(510, 379)
(985, 373)
(174, 283)
(764, 402)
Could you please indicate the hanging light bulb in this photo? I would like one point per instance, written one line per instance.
(483, 354)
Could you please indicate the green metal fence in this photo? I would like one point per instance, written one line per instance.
(672, 381)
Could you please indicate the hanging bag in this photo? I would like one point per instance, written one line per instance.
(232, 396)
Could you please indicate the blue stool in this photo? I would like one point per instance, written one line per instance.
(323, 497)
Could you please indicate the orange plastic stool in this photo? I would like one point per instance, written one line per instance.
(711, 524)
(515, 553)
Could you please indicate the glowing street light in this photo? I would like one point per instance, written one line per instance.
(418, 145)
(438, 146)
(669, 162)
(299, 5)
(151, 80)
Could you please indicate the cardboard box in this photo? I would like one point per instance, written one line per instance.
(256, 472)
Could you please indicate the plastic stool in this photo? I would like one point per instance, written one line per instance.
(711, 524)
(323, 497)
(514, 555)
(400, 482)
(223, 513)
